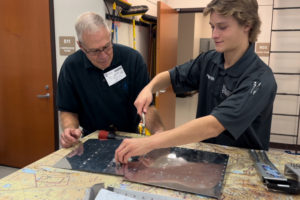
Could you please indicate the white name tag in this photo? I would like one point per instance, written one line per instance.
(114, 75)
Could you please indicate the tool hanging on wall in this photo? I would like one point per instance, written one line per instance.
(124, 5)
(132, 12)
(148, 19)
(113, 21)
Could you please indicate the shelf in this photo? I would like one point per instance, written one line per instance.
(286, 73)
(286, 115)
(282, 30)
(287, 94)
(284, 51)
(286, 8)
(287, 135)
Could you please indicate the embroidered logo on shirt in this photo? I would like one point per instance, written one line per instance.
(225, 91)
(255, 87)
(210, 77)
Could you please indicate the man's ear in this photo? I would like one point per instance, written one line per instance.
(78, 43)
(80, 46)
(247, 27)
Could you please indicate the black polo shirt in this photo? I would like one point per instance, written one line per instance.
(83, 89)
(240, 97)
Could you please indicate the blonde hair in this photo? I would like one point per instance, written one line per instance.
(244, 11)
(89, 21)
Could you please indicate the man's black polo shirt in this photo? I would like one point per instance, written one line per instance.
(240, 97)
(82, 89)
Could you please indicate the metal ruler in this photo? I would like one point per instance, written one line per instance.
(140, 195)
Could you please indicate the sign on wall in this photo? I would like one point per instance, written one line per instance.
(263, 49)
(66, 45)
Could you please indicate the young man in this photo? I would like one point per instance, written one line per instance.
(236, 88)
(98, 84)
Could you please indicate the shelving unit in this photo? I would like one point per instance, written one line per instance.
(282, 73)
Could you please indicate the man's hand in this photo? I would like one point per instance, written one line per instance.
(132, 147)
(143, 100)
(78, 151)
(69, 137)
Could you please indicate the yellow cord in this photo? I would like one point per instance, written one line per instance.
(133, 30)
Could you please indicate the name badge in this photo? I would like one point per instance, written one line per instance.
(115, 75)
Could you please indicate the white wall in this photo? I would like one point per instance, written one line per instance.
(187, 3)
(203, 3)
(65, 15)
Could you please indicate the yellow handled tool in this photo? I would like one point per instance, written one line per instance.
(142, 126)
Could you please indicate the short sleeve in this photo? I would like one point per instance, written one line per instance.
(246, 103)
(67, 99)
(185, 77)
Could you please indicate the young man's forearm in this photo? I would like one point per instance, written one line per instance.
(153, 121)
(194, 131)
(159, 82)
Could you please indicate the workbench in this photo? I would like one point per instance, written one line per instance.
(40, 180)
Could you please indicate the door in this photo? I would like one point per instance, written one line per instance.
(27, 130)
(167, 37)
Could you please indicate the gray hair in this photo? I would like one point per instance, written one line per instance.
(89, 21)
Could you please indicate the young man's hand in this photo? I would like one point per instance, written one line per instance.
(143, 101)
(132, 147)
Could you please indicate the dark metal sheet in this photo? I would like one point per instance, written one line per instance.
(92, 156)
(181, 169)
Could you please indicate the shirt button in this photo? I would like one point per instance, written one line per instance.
(222, 73)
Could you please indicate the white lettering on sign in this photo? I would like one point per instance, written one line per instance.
(66, 45)
(67, 41)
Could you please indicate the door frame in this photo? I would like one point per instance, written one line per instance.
(54, 73)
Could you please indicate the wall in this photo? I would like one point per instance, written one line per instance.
(65, 15)
(185, 107)
(203, 3)
(202, 30)
(286, 63)
(187, 3)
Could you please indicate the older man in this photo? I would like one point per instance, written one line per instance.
(98, 84)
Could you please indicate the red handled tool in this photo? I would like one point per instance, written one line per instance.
(104, 135)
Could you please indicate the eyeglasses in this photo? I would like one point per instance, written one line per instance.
(94, 52)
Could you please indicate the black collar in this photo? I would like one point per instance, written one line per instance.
(241, 65)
